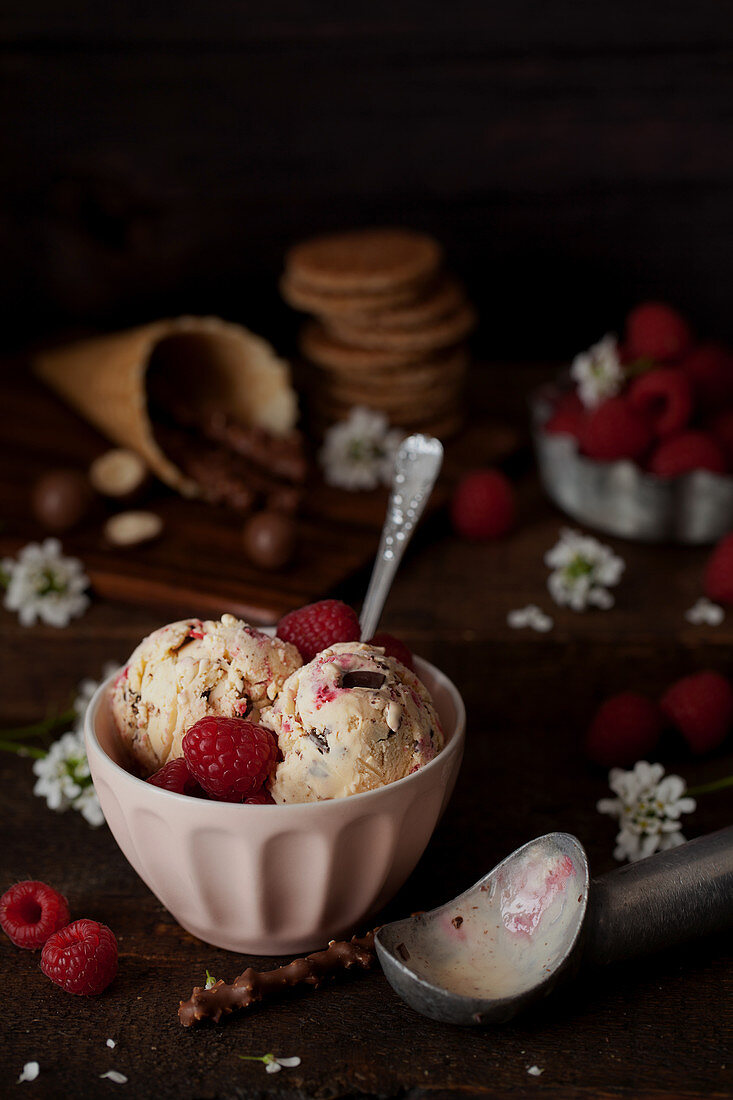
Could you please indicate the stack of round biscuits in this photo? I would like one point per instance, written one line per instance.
(388, 330)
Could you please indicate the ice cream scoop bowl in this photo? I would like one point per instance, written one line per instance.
(537, 916)
(271, 880)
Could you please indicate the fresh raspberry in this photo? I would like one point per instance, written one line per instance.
(318, 626)
(81, 958)
(718, 583)
(31, 911)
(568, 416)
(483, 505)
(175, 776)
(656, 331)
(701, 707)
(615, 430)
(685, 452)
(664, 398)
(262, 798)
(721, 428)
(625, 728)
(393, 647)
(710, 370)
(230, 757)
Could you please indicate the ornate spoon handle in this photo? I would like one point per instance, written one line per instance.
(416, 468)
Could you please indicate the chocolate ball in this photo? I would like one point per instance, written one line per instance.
(60, 499)
(269, 539)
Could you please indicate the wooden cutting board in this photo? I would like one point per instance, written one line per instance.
(198, 565)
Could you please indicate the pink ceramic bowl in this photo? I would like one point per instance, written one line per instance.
(275, 880)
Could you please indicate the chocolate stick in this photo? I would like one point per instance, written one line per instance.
(256, 985)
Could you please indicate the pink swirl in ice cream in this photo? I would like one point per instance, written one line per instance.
(190, 669)
(351, 720)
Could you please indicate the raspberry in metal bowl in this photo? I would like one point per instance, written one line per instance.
(636, 439)
(275, 879)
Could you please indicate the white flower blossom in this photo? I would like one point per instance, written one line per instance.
(114, 1076)
(358, 453)
(29, 1072)
(64, 779)
(270, 1062)
(705, 612)
(648, 809)
(531, 616)
(274, 1065)
(598, 372)
(42, 584)
(582, 571)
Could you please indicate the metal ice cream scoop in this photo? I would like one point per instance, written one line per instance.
(417, 465)
(538, 915)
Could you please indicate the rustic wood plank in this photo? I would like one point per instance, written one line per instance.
(656, 1031)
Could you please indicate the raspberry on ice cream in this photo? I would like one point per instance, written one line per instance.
(351, 720)
(188, 670)
(230, 757)
(175, 777)
(319, 625)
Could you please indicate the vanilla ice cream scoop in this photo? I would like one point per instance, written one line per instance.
(191, 669)
(351, 720)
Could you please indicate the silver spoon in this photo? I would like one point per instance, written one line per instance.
(537, 915)
(417, 465)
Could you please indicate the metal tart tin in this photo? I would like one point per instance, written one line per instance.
(619, 498)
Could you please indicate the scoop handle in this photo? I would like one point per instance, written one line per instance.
(662, 901)
(416, 468)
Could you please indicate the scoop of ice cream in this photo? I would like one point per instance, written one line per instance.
(349, 721)
(190, 669)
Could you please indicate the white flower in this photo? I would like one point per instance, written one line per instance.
(534, 1071)
(64, 779)
(111, 1044)
(598, 372)
(42, 584)
(531, 616)
(30, 1072)
(705, 612)
(358, 453)
(274, 1065)
(113, 1075)
(270, 1062)
(210, 981)
(582, 570)
(648, 809)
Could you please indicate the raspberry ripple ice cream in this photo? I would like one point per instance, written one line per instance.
(351, 720)
(188, 670)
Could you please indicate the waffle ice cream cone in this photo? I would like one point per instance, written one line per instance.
(106, 380)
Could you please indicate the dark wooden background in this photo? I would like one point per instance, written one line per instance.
(574, 157)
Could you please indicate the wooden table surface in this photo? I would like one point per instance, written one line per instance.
(659, 1028)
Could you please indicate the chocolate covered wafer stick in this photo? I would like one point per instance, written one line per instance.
(284, 456)
(257, 985)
